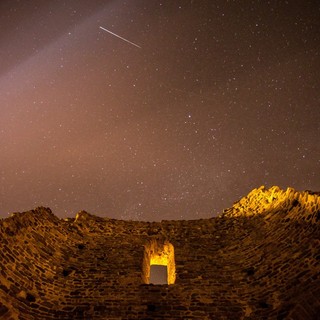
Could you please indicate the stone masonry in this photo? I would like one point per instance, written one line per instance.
(257, 260)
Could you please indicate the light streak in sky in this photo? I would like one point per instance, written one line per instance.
(114, 34)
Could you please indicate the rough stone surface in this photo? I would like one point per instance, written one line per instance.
(257, 260)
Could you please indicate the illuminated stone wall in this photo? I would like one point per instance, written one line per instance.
(258, 260)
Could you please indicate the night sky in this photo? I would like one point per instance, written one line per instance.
(222, 97)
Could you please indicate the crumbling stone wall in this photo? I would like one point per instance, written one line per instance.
(258, 260)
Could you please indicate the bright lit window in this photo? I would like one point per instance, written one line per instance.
(159, 254)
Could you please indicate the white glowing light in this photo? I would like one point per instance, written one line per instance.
(114, 34)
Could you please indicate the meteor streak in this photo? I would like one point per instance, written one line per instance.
(120, 37)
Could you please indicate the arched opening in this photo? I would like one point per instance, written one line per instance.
(158, 253)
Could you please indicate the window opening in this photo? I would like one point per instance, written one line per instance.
(158, 274)
(159, 255)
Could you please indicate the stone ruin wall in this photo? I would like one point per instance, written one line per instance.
(275, 200)
(258, 260)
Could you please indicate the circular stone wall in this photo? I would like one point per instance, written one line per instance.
(258, 260)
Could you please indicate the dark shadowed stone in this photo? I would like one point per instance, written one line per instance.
(250, 271)
(4, 288)
(264, 305)
(75, 293)
(151, 307)
(295, 203)
(9, 232)
(3, 310)
(66, 272)
(282, 315)
(30, 297)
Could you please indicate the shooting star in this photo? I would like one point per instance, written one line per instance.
(120, 37)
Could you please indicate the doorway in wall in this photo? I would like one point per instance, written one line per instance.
(158, 263)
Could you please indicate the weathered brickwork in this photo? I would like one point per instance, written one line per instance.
(257, 260)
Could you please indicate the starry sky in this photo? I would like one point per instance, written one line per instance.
(220, 98)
